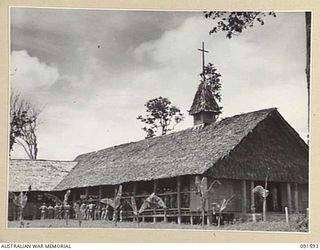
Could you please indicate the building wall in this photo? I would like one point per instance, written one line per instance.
(225, 190)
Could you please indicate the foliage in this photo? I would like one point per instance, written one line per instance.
(114, 203)
(162, 117)
(53, 198)
(152, 200)
(20, 201)
(222, 207)
(66, 197)
(261, 191)
(235, 22)
(23, 125)
(212, 80)
(203, 191)
(302, 223)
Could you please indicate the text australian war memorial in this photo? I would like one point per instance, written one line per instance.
(240, 152)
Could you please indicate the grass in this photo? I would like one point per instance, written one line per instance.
(278, 225)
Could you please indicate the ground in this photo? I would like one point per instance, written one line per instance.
(278, 225)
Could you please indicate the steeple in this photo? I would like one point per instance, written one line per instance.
(204, 109)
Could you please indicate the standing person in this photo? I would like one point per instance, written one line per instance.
(58, 211)
(50, 212)
(43, 210)
(97, 212)
(109, 212)
(91, 210)
(76, 207)
(66, 209)
(103, 212)
(121, 212)
(83, 210)
(77, 212)
(87, 211)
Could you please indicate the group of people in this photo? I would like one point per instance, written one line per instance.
(93, 211)
(87, 211)
(58, 211)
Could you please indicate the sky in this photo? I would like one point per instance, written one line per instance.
(92, 71)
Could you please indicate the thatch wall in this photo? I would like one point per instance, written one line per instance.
(270, 145)
(42, 175)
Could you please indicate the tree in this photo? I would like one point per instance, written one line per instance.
(235, 22)
(23, 125)
(20, 202)
(212, 80)
(203, 191)
(151, 201)
(162, 117)
(221, 207)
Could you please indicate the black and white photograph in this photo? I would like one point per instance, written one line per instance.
(159, 119)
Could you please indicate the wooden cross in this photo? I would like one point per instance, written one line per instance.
(203, 51)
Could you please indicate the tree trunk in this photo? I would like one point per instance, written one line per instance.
(203, 211)
(264, 209)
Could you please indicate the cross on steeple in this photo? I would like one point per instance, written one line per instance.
(203, 51)
(204, 109)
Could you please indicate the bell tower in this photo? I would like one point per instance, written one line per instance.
(204, 109)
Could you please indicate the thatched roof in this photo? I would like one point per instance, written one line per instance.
(42, 175)
(204, 101)
(188, 152)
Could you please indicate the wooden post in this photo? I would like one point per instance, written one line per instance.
(86, 191)
(191, 219)
(134, 191)
(179, 198)
(74, 196)
(165, 219)
(289, 197)
(287, 214)
(154, 210)
(295, 198)
(209, 210)
(244, 196)
(100, 192)
(252, 195)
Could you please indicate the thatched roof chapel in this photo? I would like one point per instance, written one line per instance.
(238, 147)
